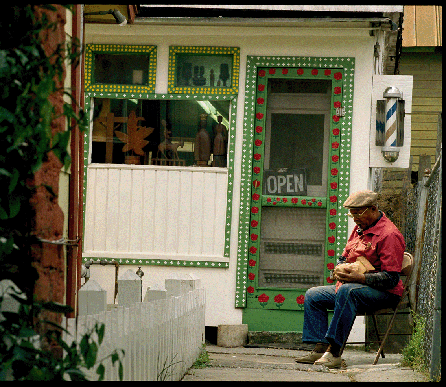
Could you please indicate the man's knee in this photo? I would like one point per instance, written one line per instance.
(346, 288)
(316, 293)
(312, 292)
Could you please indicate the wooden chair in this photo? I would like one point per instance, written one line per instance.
(404, 303)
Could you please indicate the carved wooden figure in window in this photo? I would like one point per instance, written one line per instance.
(202, 150)
(134, 139)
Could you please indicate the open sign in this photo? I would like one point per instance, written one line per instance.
(291, 182)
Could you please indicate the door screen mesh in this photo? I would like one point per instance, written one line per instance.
(292, 247)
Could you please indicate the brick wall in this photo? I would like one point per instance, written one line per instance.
(48, 259)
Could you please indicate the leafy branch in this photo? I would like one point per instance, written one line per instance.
(32, 75)
(24, 354)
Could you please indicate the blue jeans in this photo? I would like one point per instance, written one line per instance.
(350, 299)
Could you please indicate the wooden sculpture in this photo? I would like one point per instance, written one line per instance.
(134, 139)
(202, 149)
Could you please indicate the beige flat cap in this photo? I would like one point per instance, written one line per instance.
(360, 199)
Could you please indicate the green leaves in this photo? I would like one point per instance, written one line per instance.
(31, 80)
(22, 352)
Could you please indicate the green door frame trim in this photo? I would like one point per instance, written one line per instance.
(231, 152)
(340, 70)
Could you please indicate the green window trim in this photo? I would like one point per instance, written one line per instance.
(116, 49)
(213, 53)
(257, 70)
(161, 262)
(231, 155)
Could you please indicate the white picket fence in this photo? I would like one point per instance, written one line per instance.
(161, 338)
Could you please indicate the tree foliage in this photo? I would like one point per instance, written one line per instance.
(31, 79)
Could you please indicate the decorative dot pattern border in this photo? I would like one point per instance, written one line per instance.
(341, 71)
(91, 49)
(230, 188)
(203, 50)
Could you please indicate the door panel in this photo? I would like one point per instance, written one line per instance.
(292, 239)
(269, 307)
(292, 248)
(289, 232)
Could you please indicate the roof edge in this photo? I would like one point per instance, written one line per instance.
(272, 7)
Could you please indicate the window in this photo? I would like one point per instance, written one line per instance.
(211, 70)
(160, 132)
(120, 68)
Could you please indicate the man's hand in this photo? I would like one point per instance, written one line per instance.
(348, 274)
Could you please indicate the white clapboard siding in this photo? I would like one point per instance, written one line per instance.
(153, 212)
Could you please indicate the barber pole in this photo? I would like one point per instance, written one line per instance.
(391, 124)
(390, 149)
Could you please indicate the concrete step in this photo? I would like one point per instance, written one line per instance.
(287, 340)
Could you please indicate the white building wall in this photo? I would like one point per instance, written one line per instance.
(263, 41)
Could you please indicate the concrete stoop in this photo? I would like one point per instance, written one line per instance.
(230, 336)
(288, 340)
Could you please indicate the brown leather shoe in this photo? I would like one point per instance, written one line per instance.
(330, 361)
(310, 358)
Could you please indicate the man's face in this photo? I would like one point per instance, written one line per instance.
(363, 216)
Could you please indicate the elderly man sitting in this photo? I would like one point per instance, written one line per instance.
(374, 284)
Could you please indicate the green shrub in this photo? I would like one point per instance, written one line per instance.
(413, 353)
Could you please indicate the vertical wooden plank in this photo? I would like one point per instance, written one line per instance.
(168, 211)
(114, 340)
(196, 221)
(90, 209)
(208, 212)
(126, 346)
(108, 345)
(220, 213)
(109, 138)
(134, 341)
(409, 27)
(145, 318)
(173, 188)
(184, 215)
(425, 23)
(100, 221)
(125, 198)
(160, 205)
(160, 331)
(148, 210)
(135, 211)
(155, 320)
(140, 361)
(112, 210)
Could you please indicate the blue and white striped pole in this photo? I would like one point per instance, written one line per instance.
(390, 127)
(390, 150)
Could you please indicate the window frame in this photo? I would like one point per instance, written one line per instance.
(214, 51)
(224, 261)
(92, 49)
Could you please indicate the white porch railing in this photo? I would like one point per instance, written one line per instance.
(161, 338)
(146, 211)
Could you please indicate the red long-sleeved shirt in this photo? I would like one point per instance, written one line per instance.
(383, 245)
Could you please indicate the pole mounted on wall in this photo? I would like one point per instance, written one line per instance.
(390, 123)
(119, 17)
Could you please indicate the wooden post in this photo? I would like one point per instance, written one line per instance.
(423, 164)
(155, 294)
(129, 285)
(109, 121)
(92, 298)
